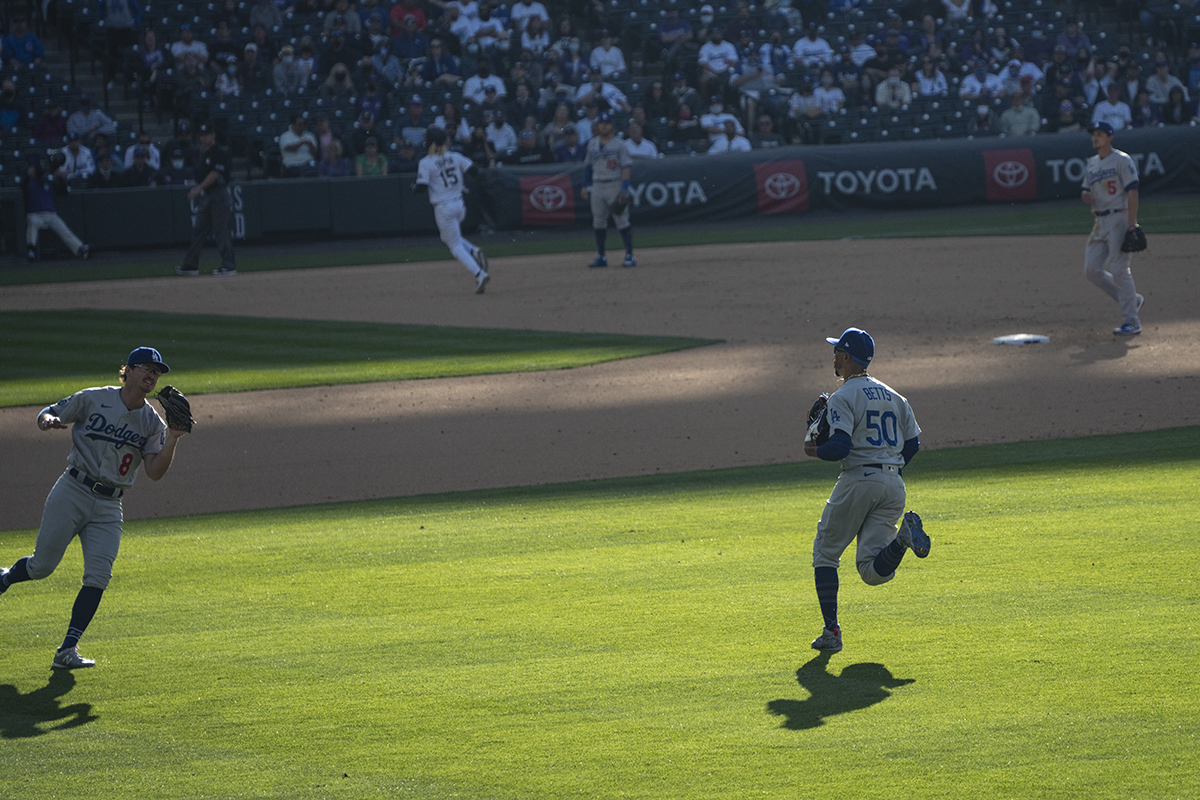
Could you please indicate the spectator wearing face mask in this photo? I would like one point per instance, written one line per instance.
(893, 93)
(105, 177)
(338, 85)
(175, 171)
(288, 76)
(714, 121)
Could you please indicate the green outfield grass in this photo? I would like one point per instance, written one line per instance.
(1167, 214)
(232, 354)
(636, 638)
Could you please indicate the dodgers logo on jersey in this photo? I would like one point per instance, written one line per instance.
(834, 417)
(102, 430)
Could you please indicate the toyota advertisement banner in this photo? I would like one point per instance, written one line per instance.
(794, 180)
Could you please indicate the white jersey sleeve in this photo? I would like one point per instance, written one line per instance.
(445, 175)
(108, 439)
(878, 419)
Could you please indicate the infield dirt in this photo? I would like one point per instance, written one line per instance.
(932, 305)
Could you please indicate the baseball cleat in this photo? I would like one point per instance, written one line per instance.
(85, 251)
(600, 261)
(189, 273)
(480, 258)
(70, 659)
(3, 581)
(1127, 329)
(912, 535)
(481, 282)
(629, 261)
(830, 641)
(225, 271)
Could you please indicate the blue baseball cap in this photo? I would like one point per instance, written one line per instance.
(1103, 126)
(146, 355)
(857, 343)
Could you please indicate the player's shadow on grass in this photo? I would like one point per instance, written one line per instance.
(23, 716)
(859, 686)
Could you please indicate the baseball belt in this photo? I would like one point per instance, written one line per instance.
(1106, 213)
(96, 487)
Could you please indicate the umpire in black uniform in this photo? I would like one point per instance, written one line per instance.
(213, 207)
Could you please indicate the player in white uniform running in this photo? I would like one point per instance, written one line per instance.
(444, 173)
(1110, 187)
(605, 178)
(113, 432)
(873, 432)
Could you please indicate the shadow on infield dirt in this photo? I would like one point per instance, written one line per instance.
(859, 686)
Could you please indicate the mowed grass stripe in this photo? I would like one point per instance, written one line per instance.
(231, 354)
(639, 638)
(1157, 214)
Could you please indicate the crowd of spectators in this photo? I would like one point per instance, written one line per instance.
(522, 82)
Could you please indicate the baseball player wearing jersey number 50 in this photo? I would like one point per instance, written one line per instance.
(444, 175)
(113, 432)
(873, 432)
(1110, 187)
(606, 184)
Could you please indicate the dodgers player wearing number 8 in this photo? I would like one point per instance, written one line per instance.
(1110, 187)
(873, 432)
(443, 173)
(113, 432)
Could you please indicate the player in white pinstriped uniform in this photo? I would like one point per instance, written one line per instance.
(443, 173)
(605, 178)
(114, 431)
(1110, 187)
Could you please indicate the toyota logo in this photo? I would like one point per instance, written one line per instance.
(548, 198)
(1010, 174)
(781, 186)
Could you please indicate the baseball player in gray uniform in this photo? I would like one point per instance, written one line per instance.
(1110, 187)
(873, 432)
(606, 184)
(113, 432)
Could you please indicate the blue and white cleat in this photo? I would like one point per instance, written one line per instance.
(600, 261)
(1128, 329)
(912, 535)
(629, 261)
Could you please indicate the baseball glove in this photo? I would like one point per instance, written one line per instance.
(1135, 240)
(620, 204)
(818, 422)
(177, 408)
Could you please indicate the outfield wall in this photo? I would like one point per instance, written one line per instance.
(790, 180)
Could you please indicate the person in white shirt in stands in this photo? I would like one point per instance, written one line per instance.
(715, 121)
(811, 50)
(831, 97)
(715, 59)
(597, 89)
(187, 50)
(475, 87)
(519, 13)
(731, 141)
(1113, 110)
(638, 146)
(607, 58)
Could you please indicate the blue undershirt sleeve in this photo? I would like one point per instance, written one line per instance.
(837, 448)
(911, 446)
